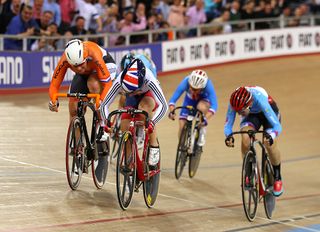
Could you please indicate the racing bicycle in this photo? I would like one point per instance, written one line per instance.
(188, 147)
(256, 181)
(84, 152)
(132, 168)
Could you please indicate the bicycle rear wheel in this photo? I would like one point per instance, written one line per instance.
(125, 171)
(75, 153)
(100, 164)
(194, 159)
(269, 200)
(249, 186)
(151, 184)
(182, 152)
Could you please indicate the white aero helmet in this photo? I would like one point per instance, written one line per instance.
(74, 52)
(198, 79)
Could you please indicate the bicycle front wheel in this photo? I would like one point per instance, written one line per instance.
(249, 185)
(100, 164)
(269, 200)
(126, 170)
(182, 152)
(151, 184)
(75, 153)
(194, 159)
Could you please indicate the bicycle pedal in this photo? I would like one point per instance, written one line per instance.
(138, 184)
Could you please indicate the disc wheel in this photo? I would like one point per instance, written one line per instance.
(151, 184)
(269, 200)
(100, 163)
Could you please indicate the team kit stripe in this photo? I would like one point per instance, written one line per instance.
(161, 99)
(107, 99)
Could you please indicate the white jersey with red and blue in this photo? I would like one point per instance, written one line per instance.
(208, 94)
(150, 84)
(261, 104)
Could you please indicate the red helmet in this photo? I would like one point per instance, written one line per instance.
(240, 99)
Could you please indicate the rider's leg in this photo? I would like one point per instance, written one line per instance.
(275, 158)
(245, 140)
(93, 83)
(203, 106)
(148, 104)
(182, 122)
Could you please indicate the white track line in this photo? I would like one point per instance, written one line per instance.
(167, 196)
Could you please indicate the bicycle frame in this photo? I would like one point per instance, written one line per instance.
(142, 176)
(198, 117)
(94, 152)
(81, 110)
(262, 176)
(253, 142)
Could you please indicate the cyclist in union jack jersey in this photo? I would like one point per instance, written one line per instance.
(142, 91)
(257, 109)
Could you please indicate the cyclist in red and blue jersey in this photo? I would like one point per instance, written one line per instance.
(200, 94)
(142, 91)
(256, 108)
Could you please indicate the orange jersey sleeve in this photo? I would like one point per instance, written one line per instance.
(97, 53)
(58, 76)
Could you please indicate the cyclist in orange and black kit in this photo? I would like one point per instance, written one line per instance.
(94, 69)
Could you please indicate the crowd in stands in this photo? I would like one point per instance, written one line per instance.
(47, 18)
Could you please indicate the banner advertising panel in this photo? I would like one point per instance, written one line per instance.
(25, 70)
(217, 49)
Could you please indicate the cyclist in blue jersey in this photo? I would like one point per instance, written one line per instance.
(200, 94)
(256, 109)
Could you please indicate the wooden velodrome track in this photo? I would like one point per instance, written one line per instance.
(35, 195)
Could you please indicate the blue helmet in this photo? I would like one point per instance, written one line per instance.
(133, 76)
(126, 60)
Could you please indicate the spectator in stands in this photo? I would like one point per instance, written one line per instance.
(127, 25)
(220, 24)
(90, 14)
(42, 44)
(298, 20)
(265, 13)
(9, 9)
(37, 9)
(315, 6)
(51, 5)
(67, 8)
(78, 28)
(162, 7)
(22, 25)
(53, 31)
(176, 14)
(61, 43)
(210, 7)
(249, 12)
(111, 23)
(235, 15)
(45, 19)
(164, 36)
(102, 9)
(195, 15)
